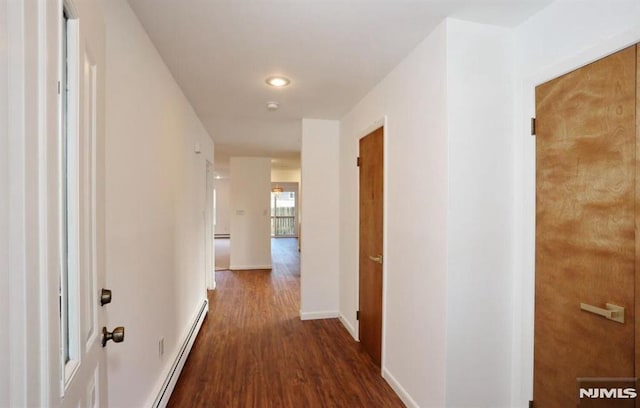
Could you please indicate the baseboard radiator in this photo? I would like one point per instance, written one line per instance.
(169, 384)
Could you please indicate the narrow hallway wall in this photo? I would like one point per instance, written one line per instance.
(4, 211)
(155, 192)
(250, 220)
(319, 219)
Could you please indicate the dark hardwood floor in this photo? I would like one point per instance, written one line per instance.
(254, 351)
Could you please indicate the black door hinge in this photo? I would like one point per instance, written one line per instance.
(358, 162)
(357, 315)
(533, 126)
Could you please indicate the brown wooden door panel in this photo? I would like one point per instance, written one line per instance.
(637, 209)
(585, 226)
(371, 218)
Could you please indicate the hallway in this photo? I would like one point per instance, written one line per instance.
(254, 351)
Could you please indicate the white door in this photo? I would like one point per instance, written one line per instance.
(83, 380)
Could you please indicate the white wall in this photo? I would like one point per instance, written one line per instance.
(320, 219)
(155, 199)
(5, 374)
(559, 39)
(250, 244)
(480, 86)
(286, 175)
(413, 97)
(449, 225)
(223, 196)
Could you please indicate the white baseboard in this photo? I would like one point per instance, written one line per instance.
(248, 267)
(161, 397)
(349, 327)
(318, 315)
(402, 393)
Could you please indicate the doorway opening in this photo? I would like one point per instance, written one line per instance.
(284, 210)
(223, 251)
(221, 203)
(371, 167)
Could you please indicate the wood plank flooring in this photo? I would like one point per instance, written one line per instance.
(254, 351)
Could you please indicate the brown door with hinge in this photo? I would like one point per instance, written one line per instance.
(586, 248)
(371, 217)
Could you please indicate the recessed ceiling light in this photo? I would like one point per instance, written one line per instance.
(278, 81)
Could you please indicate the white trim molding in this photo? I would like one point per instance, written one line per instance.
(319, 315)
(248, 267)
(352, 331)
(402, 393)
(160, 398)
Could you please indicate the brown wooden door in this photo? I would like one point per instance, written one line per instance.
(585, 227)
(371, 217)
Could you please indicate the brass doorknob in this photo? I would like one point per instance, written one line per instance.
(105, 296)
(117, 335)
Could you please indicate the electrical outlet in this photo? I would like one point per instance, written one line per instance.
(161, 347)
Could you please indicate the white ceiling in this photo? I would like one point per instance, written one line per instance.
(334, 51)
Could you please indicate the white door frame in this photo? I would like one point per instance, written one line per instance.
(210, 251)
(33, 63)
(5, 352)
(380, 123)
(33, 35)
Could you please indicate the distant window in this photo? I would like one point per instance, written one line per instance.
(283, 214)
